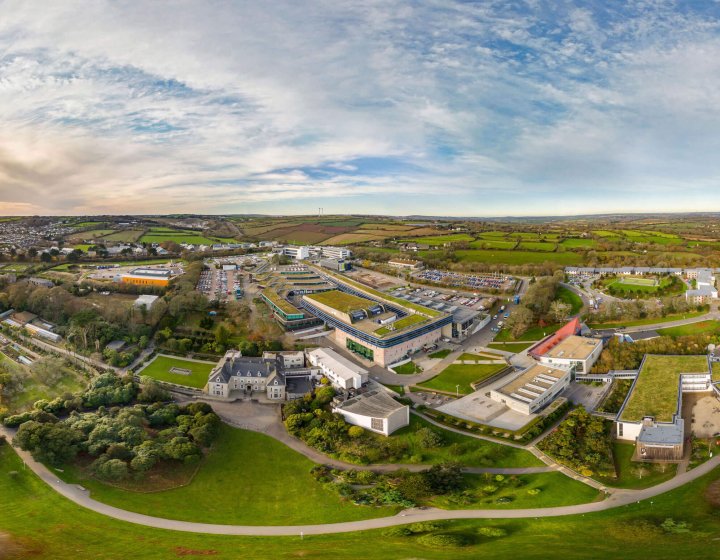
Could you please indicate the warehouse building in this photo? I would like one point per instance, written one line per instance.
(155, 277)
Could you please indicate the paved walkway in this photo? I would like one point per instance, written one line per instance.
(81, 497)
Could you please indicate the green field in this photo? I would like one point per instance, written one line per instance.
(191, 238)
(123, 236)
(648, 321)
(462, 375)
(655, 392)
(42, 524)
(566, 295)
(628, 474)
(241, 468)
(511, 346)
(701, 327)
(493, 244)
(537, 246)
(160, 367)
(575, 243)
(510, 257)
(555, 489)
(408, 368)
(440, 239)
(531, 335)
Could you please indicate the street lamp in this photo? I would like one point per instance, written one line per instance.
(457, 390)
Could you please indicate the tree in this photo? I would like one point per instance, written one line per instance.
(559, 310)
(45, 257)
(54, 443)
(520, 321)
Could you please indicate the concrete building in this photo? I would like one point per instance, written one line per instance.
(341, 372)
(155, 277)
(405, 264)
(337, 265)
(330, 252)
(378, 327)
(533, 389)
(296, 252)
(566, 349)
(375, 411)
(705, 290)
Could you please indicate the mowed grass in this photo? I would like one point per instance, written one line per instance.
(408, 368)
(493, 244)
(510, 257)
(43, 524)
(701, 327)
(461, 375)
(511, 346)
(160, 368)
(440, 239)
(555, 489)
(460, 448)
(571, 298)
(630, 476)
(247, 478)
(648, 321)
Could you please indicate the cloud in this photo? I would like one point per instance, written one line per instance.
(245, 107)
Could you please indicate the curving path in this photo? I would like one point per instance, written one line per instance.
(81, 497)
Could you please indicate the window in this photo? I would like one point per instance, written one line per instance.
(377, 424)
(620, 430)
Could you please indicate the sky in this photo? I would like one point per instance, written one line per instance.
(428, 107)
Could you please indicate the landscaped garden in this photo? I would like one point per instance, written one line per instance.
(190, 373)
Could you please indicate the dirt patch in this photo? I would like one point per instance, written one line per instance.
(8, 548)
(182, 551)
(712, 494)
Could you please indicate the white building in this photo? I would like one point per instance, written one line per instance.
(705, 286)
(341, 372)
(334, 252)
(533, 389)
(573, 352)
(375, 411)
(296, 252)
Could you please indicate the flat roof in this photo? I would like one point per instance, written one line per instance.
(663, 434)
(340, 365)
(533, 382)
(574, 348)
(342, 301)
(373, 404)
(284, 305)
(656, 389)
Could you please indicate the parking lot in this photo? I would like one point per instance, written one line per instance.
(219, 284)
(437, 299)
(472, 281)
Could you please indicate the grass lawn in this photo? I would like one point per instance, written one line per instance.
(409, 368)
(493, 244)
(574, 243)
(247, 478)
(628, 474)
(440, 353)
(462, 375)
(467, 450)
(537, 246)
(649, 321)
(160, 367)
(43, 524)
(571, 298)
(468, 357)
(530, 335)
(440, 239)
(510, 257)
(655, 392)
(701, 327)
(511, 346)
(555, 489)
(399, 389)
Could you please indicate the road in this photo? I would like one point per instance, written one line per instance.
(80, 496)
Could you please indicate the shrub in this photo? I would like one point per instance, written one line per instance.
(397, 532)
(443, 540)
(425, 526)
(493, 532)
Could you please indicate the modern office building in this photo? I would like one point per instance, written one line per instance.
(533, 389)
(375, 325)
(375, 411)
(566, 349)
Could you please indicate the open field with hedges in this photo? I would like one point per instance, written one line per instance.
(161, 365)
